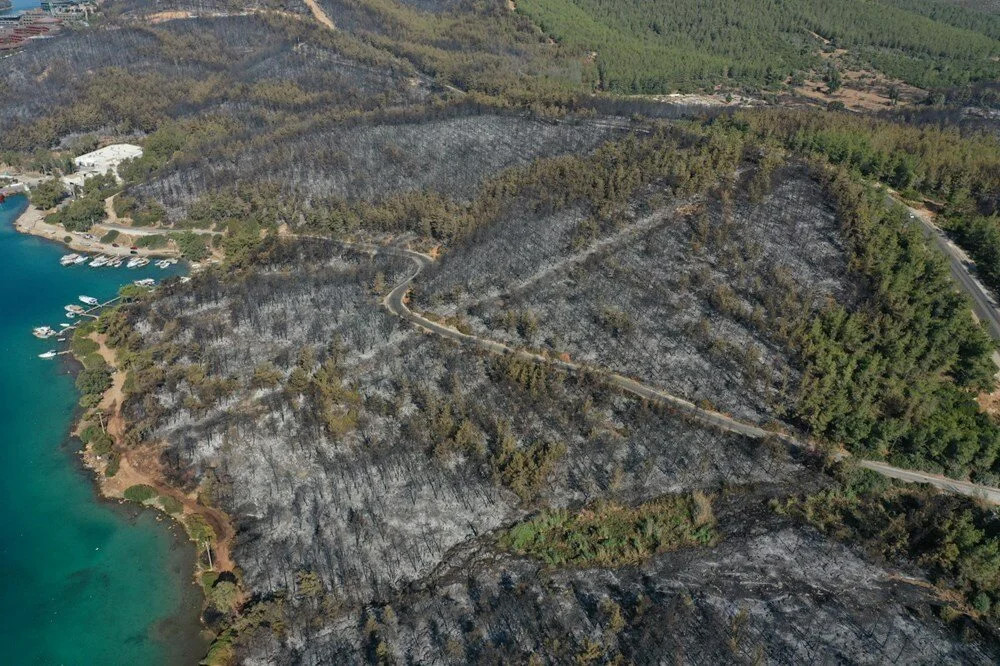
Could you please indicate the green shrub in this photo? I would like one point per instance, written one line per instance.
(140, 493)
(171, 504)
(95, 381)
(610, 535)
(110, 237)
(191, 245)
(198, 529)
(48, 194)
(90, 400)
(152, 242)
(94, 361)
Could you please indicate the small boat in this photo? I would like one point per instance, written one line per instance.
(70, 315)
(68, 259)
(81, 259)
(89, 300)
(116, 262)
(73, 308)
(136, 262)
(49, 354)
(42, 332)
(65, 325)
(148, 282)
(100, 261)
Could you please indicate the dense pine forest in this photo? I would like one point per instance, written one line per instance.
(659, 47)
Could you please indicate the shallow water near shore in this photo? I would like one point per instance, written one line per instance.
(85, 581)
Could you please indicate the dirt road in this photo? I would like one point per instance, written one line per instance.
(319, 14)
(395, 302)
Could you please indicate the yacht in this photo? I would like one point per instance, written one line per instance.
(100, 261)
(81, 259)
(73, 309)
(89, 300)
(68, 259)
(42, 332)
(49, 354)
(136, 262)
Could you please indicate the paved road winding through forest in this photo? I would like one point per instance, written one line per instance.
(395, 302)
(982, 302)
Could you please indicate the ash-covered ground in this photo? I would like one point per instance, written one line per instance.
(697, 296)
(368, 483)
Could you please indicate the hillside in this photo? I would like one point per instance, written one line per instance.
(494, 351)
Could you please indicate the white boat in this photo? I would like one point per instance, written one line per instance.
(81, 259)
(116, 262)
(73, 308)
(89, 300)
(70, 315)
(148, 282)
(68, 259)
(49, 354)
(136, 262)
(65, 325)
(42, 332)
(100, 261)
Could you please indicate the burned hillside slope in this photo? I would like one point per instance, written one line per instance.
(374, 160)
(347, 446)
(697, 295)
(769, 593)
(371, 471)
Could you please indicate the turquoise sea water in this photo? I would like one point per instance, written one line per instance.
(21, 5)
(82, 580)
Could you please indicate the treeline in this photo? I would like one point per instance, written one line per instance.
(657, 47)
(897, 378)
(955, 540)
(941, 162)
(603, 181)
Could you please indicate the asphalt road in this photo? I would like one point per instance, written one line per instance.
(962, 270)
(395, 302)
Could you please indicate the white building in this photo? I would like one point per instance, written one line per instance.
(99, 161)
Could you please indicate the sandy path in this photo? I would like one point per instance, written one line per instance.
(141, 465)
(320, 15)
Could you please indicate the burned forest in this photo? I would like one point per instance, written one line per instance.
(509, 333)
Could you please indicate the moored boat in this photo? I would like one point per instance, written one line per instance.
(148, 282)
(49, 354)
(100, 261)
(42, 332)
(81, 259)
(136, 262)
(89, 300)
(68, 259)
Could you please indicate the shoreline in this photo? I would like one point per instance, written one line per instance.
(140, 466)
(131, 472)
(32, 222)
(175, 630)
